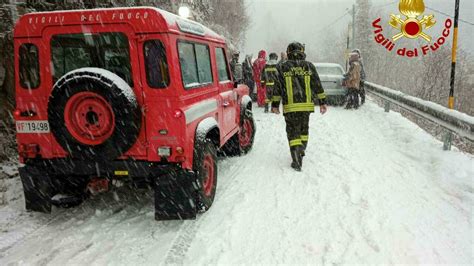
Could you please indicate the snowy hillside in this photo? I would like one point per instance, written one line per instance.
(375, 188)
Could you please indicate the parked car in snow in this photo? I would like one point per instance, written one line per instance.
(331, 76)
(126, 94)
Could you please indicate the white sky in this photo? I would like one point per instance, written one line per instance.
(275, 23)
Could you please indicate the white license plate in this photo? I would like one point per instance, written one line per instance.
(38, 126)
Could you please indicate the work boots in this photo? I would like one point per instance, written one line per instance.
(303, 149)
(297, 159)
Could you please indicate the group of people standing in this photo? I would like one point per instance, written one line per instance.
(255, 74)
(261, 72)
(294, 82)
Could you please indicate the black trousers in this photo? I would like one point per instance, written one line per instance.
(297, 128)
(362, 93)
(353, 95)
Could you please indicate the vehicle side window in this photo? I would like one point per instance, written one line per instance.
(29, 66)
(156, 65)
(222, 68)
(195, 61)
(204, 63)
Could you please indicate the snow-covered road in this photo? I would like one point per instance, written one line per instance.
(375, 188)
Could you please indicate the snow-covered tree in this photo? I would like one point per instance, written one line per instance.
(228, 18)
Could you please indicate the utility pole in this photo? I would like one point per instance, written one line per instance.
(448, 138)
(453, 63)
(353, 25)
(347, 46)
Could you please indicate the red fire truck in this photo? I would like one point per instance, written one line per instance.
(129, 94)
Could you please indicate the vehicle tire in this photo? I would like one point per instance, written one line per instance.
(247, 132)
(242, 142)
(93, 114)
(205, 167)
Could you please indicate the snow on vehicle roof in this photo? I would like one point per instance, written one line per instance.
(142, 20)
(327, 65)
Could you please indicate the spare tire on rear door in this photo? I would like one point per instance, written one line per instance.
(94, 114)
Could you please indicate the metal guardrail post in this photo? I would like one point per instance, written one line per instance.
(447, 140)
(387, 106)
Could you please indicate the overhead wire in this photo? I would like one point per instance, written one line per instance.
(447, 15)
(385, 5)
(333, 22)
(427, 7)
(382, 6)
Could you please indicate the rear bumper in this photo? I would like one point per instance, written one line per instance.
(127, 170)
(174, 188)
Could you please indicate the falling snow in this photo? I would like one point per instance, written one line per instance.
(375, 188)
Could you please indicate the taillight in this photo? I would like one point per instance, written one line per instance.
(16, 113)
(22, 148)
(29, 150)
(28, 113)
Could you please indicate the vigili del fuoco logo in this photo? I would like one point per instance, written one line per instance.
(412, 25)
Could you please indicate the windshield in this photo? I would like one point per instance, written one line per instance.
(329, 70)
(106, 50)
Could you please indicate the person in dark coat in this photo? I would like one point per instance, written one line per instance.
(248, 76)
(268, 78)
(299, 88)
(234, 61)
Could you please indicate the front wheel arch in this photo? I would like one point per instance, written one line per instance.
(208, 128)
(245, 104)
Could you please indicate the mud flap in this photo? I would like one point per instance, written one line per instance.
(38, 189)
(176, 199)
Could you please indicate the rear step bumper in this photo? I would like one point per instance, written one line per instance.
(173, 186)
(156, 172)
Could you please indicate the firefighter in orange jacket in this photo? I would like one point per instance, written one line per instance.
(299, 88)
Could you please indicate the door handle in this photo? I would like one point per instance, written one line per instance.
(226, 104)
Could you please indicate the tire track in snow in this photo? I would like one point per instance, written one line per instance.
(241, 190)
(22, 237)
(187, 232)
(61, 218)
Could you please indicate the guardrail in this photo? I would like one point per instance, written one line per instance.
(453, 121)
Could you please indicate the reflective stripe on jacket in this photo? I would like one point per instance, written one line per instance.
(298, 86)
(269, 77)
